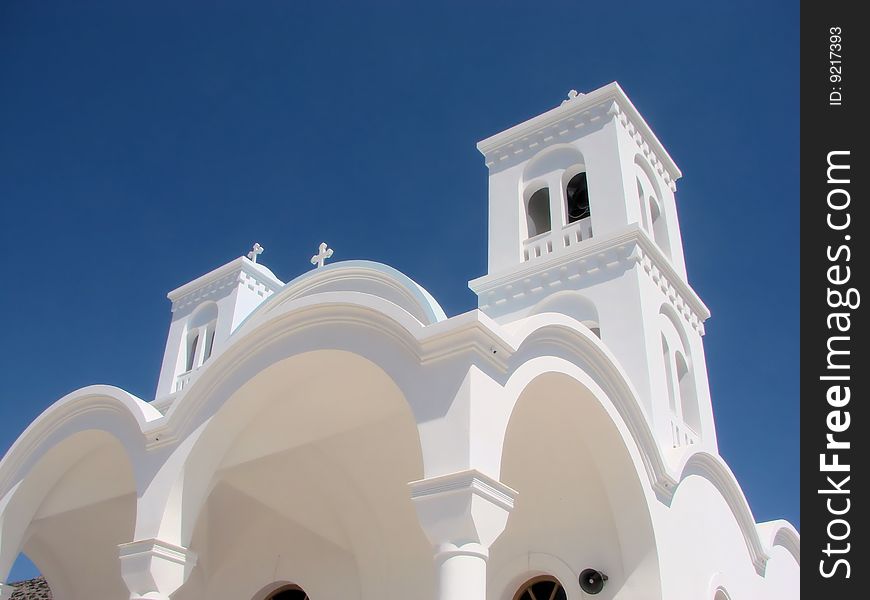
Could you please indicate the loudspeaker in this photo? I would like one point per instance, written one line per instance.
(592, 581)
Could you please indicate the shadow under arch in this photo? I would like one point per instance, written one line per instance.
(558, 157)
(317, 447)
(365, 325)
(573, 304)
(584, 496)
(98, 407)
(76, 504)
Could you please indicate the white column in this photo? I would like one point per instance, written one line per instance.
(154, 570)
(462, 514)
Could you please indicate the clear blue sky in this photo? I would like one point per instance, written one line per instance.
(145, 143)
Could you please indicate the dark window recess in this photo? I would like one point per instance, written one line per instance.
(577, 193)
(546, 589)
(290, 595)
(539, 212)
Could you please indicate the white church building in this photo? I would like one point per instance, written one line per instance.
(338, 437)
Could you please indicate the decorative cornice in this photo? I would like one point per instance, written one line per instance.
(241, 271)
(554, 126)
(470, 481)
(631, 245)
(158, 549)
(645, 144)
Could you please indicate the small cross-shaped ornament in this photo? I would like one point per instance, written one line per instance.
(256, 251)
(320, 258)
(572, 94)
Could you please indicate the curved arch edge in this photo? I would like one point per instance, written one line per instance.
(131, 416)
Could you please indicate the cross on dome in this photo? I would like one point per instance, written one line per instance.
(256, 250)
(319, 259)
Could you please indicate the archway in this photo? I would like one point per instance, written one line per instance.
(581, 499)
(77, 503)
(307, 466)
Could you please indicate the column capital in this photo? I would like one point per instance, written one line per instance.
(462, 512)
(154, 569)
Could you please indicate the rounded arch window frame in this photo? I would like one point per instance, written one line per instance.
(270, 591)
(653, 197)
(199, 337)
(567, 175)
(530, 189)
(674, 335)
(529, 582)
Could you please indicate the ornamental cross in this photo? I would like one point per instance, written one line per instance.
(255, 252)
(320, 258)
(571, 95)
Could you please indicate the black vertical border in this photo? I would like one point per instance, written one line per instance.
(828, 127)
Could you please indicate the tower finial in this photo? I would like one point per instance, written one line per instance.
(572, 94)
(319, 259)
(256, 250)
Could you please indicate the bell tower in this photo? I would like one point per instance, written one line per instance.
(583, 222)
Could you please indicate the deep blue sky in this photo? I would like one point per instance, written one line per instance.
(145, 143)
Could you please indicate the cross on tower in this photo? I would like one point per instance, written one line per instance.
(572, 94)
(320, 258)
(256, 250)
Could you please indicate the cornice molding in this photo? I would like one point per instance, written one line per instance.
(241, 271)
(553, 127)
(159, 549)
(471, 481)
(631, 245)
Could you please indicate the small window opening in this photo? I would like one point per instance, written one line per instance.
(659, 227)
(669, 376)
(643, 218)
(539, 212)
(209, 343)
(688, 399)
(191, 352)
(289, 594)
(577, 194)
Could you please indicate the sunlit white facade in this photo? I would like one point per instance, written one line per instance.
(338, 437)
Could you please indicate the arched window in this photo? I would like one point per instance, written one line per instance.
(199, 343)
(577, 197)
(209, 341)
(192, 343)
(659, 227)
(688, 399)
(541, 588)
(640, 196)
(539, 212)
(669, 375)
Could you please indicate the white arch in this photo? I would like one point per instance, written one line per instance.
(100, 407)
(573, 304)
(629, 492)
(360, 276)
(665, 482)
(557, 157)
(302, 326)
